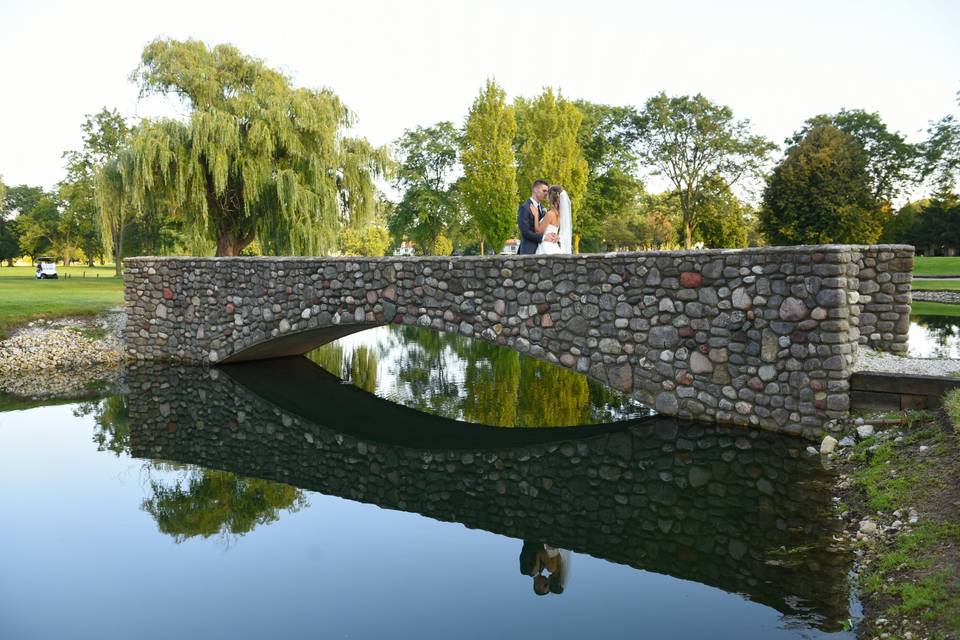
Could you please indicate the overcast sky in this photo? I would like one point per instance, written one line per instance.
(406, 63)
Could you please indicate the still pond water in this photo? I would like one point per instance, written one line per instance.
(274, 500)
(934, 337)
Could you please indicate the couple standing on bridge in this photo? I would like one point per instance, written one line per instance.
(545, 231)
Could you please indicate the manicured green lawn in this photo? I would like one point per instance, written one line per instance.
(919, 308)
(936, 266)
(73, 272)
(24, 298)
(936, 285)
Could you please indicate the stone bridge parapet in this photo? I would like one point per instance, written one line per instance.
(764, 337)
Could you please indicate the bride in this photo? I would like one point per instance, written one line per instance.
(557, 220)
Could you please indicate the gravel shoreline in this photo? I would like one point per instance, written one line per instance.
(64, 357)
(876, 361)
(944, 297)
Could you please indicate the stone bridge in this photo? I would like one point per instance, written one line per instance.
(764, 337)
(742, 510)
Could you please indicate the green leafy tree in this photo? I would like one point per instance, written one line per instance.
(17, 202)
(692, 141)
(622, 233)
(9, 235)
(81, 214)
(936, 226)
(442, 246)
(371, 240)
(489, 185)
(659, 221)
(897, 227)
(608, 136)
(549, 149)
(9, 241)
(100, 229)
(40, 224)
(256, 157)
(21, 199)
(941, 151)
(821, 193)
(723, 218)
(891, 160)
(426, 173)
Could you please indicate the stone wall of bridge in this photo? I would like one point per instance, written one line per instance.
(764, 337)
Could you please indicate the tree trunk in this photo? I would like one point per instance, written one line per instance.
(481, 248)
(576, 243)
(118, 253)
(687, 235)
(230, 244)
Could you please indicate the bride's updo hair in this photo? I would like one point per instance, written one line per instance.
(553, 196)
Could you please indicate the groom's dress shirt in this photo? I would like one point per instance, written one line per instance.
(536, 207)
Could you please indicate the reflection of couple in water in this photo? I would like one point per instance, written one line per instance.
(537, 557)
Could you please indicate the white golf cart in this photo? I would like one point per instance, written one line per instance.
(46, 268)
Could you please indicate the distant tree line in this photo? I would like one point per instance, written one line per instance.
(259, 166)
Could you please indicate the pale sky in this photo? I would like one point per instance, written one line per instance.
(402, 64)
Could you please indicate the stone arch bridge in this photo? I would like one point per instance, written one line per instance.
(764, 337)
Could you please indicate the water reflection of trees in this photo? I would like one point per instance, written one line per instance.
(456, 377)
(205, 503)
(196, 502)
(942, 330)
(942, 327)
(111, 421)
(359, 365)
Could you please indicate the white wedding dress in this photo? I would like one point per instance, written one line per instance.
(549, 247)
(564, 231)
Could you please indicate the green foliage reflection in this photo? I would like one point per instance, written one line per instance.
(208, 503)
(111, 419)
(456, 377)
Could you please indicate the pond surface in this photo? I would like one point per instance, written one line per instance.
(271, 499)
(934, 337)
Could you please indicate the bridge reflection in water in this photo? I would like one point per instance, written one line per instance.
(737, 509)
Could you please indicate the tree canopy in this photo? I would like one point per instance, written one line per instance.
(489, 185)
(942, 151)
(102, 228)
(608, 137)
(891, 160)
(549, 149)
(256, 157)
(821, 192)
(428, 165)
(692, 141)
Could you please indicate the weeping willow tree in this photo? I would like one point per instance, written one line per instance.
(255, 158)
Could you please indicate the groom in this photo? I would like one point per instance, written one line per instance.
(529, 238)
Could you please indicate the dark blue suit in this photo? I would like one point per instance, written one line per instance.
(529, 238)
